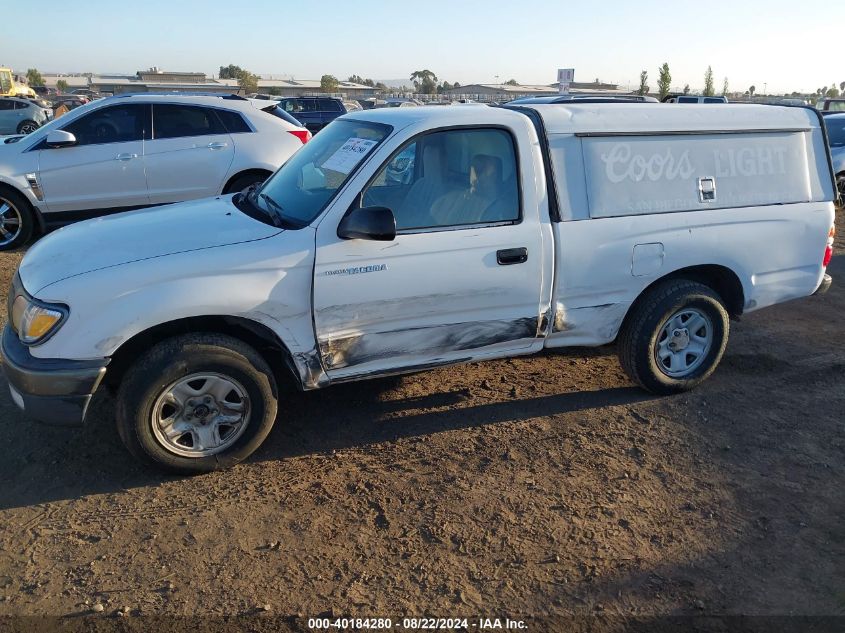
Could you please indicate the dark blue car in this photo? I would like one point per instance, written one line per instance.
(315, 113)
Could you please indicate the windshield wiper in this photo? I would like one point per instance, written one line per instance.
(275, 208)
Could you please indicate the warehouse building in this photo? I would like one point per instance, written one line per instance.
(507, 92)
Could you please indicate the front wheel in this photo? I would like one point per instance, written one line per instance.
(27, 127)
(196, 403)
(17, 220)
(675, 337)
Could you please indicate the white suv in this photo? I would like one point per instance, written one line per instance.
(126, 152)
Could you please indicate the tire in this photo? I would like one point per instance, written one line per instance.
(17, 220)
(658, 348)
(154, 390)
(840, 185)
(27, 127)
(243, 181)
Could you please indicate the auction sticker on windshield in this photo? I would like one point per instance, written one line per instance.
(348, 155)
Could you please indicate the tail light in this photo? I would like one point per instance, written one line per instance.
(302, 135)
(828, 251)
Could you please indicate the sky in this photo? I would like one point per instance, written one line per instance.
(776, 45)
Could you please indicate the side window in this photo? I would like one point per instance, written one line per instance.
(328, 105)
(307, 105)
(233, 121)
(687, 99)
(21, 105)
(451, 178)
(713, 100)
(115, 124)
(176, 121)
(290, 105)
(7, 104)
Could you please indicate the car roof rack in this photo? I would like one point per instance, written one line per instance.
(174, 93)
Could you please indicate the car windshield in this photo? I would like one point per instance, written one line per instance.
(836, 131)
(305, 184)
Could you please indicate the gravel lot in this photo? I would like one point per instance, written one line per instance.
(536, 486)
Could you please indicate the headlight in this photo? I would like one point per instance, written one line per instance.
(33, 320)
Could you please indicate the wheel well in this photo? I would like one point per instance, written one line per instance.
(264, 173)
(39, 220)
(721, 279)
(259, 336)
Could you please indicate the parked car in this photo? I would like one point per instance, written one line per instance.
(71, 102)
(585, 98)
(86, 92)
(44, 92)
(298, 130)
(831, 105)
(20, 116)
(835, 124)
(693, 99)
(522, 228)
(315, 113)
(126, 152)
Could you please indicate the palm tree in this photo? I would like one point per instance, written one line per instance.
(751, 91)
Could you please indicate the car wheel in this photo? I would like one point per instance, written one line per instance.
(17, 220)
(27, 127)
(196, 403)
(840, 185)
(242, 182)
(675, 337)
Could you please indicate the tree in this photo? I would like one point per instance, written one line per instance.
(842, 86)
(643, 83)
(686, 89)
(230, 72)
(34, 78)
(444, 87)
(425, 81)
(61, 86)
(356, 79)
(832, 92)
(248, 82)
(709, 90)
(664, 80)
(751, 91)
(328, 83)
(381, 87)
(456, 85)
(511, 82)
(725, 88)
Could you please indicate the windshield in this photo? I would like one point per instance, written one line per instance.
(835, 131)
(305, 184)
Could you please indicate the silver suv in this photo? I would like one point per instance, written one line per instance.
(19, 116)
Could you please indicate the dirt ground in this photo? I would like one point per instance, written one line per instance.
(538, 486)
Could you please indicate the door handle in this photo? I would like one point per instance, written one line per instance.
(508, 256)
(217, 145)
(125, 156)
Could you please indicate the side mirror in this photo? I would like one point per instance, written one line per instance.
(60, 138)
(368, 223)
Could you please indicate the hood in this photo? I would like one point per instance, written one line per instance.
(837, 154)
(137, 235)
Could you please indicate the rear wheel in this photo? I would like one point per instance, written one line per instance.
(27, 127)
(245, 180)
(675, 337)
(840, 185)
(17, 220)
(196, 403)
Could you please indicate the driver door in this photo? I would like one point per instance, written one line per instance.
(462, 279)
(105, 169)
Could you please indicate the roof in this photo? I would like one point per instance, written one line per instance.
(649, 117)
(606, 118)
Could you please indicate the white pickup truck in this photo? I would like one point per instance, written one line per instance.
(405, 239)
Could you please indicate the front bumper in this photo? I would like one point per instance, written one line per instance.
(52, 390)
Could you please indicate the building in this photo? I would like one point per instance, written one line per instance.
(507, 92)
(159, 81)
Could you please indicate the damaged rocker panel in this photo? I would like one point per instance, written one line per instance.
(364, 348)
